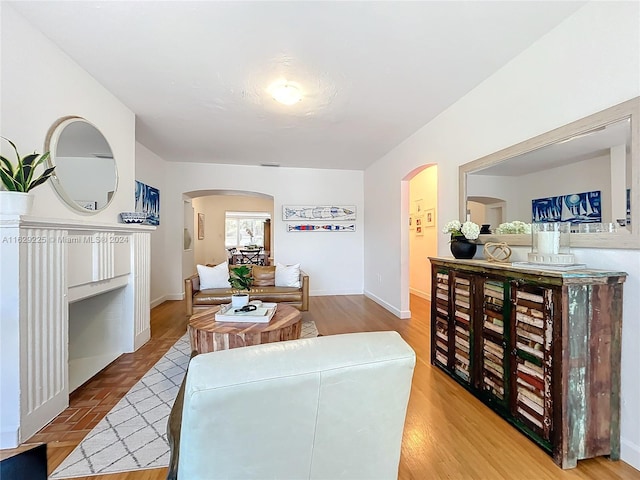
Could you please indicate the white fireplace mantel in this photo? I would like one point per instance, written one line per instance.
(65, 284)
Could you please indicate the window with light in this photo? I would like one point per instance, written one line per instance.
(244, 228)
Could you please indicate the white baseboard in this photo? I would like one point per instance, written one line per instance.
(630, 453)
(141, 338)
(9, 436)
(164, 298)
(398, 313)
(420, 293)
(158, 301)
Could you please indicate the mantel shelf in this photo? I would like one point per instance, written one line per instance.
(9, 221)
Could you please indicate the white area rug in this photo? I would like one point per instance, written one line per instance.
(132, 436)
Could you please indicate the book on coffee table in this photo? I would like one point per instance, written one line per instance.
(262, 314)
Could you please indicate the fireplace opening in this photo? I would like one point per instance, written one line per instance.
(97, 335)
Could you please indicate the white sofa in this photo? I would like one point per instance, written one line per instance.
(330, 407)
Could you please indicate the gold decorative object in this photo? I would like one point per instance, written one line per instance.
(497, 252)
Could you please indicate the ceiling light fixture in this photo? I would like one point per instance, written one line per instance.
(286, 93)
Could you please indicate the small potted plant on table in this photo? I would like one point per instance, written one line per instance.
(241, 279)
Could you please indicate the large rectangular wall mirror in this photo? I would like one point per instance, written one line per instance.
(586, 173)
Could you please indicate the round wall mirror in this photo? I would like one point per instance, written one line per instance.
(85, 177)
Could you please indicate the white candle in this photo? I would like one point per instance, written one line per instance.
(548, 242)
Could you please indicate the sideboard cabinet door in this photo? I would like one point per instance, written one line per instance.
(441, 321)
(494, 331)
(463, 328)
(532, 321)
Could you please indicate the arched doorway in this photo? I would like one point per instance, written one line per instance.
(421, 240)
(204, 222)
(486, 210)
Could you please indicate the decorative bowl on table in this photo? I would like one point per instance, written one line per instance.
(133, 217)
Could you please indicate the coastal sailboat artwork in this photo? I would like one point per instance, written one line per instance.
(575, 208)
(147, 200)
(321, 227)
(334, 213)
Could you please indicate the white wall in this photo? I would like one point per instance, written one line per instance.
(333, 260)
(151, 170)
(588, 63)
(41, 84)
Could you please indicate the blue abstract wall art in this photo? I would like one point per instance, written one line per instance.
(575, 208)
(148, 201)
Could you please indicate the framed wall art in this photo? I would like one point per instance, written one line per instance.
(418, 206)
(201, 226)
(575, 208)
(318, 212)
(320, 227)
(430, 217)
(148, 201)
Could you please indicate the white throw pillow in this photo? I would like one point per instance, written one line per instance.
(288, 275)
(214, 277)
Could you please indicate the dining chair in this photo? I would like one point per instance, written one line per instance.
(254, 257)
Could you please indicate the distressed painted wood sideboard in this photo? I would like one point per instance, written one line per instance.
(539, 347)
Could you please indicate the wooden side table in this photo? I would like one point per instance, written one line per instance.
(207, 335)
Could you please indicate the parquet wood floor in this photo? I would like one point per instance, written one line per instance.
(448, 433)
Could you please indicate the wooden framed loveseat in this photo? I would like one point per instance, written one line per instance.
(264, 288)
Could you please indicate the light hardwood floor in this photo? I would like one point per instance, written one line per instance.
(448, 433)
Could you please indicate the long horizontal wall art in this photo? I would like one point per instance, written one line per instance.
(318, 212)
(320, 227)
(574, 208)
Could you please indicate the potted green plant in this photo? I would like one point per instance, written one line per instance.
(19, 179)
(241, 279)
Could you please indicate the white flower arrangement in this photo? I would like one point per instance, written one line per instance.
(468, 230)
(513, 227)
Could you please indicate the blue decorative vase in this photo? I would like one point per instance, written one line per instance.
(462, 248)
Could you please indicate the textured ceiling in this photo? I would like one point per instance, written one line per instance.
(196, 73)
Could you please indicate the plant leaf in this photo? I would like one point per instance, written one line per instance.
(8, 181)
(28, 167)
(29, 159)
(240, 277)
(13, 145)
(17, 172)
(7, 165)
(19, 178)
(41, 179)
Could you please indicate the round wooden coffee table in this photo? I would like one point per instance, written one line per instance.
(207, 335)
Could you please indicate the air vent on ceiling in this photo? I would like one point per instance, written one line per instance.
(270, 164)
